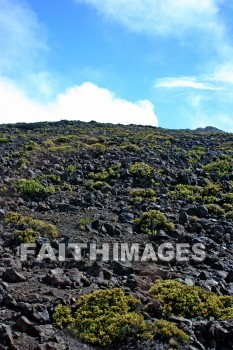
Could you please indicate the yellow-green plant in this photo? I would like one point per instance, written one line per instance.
(153, 220)
(141, 169)
(34, 228)
(229, 215)
(165, 330)
(107, 316)
(191, 301)
(83, 223)
(62, 316)
(30, 187)
(215, 209)
(97, 148)
(138, 195)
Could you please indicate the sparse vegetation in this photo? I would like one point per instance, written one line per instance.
(138, 195)
(28, 229)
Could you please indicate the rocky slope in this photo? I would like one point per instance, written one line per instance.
(91, 181)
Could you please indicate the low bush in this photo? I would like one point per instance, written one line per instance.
(191, 301)
(165, 330)
(83, 223)
(220, 167)
(97, 148)
(97, 185)
(28, 229)
(210, 189)
(228, 197)
(229, 215)
(62, 316)
(32, 188)
(4, 139)
(138, 195)
(131, 147)
(107, 316)
(215, 209)
(31, 146)
(141, 169)
(153, 220)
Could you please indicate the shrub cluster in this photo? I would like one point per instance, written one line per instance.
(28, 229)
(220, 167)
(105, 317)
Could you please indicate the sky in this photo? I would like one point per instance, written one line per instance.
(166, 63)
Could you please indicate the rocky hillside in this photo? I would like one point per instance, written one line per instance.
(164, 191)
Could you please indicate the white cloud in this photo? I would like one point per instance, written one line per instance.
(26, 86)
(163, 17)
(22, 38)
(184, 82)
(85, 102)
(224, 73)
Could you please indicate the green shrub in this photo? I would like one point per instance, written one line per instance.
(229, 215)
(22, 162)
(97, 148)
(186, 191)
(215, 209)
(228, 197)
(71, 169)
(31, 146)
(210, 190)
(153, 220)
(67, 187)
(210, 199)
(34, 228)
(165, 330)
(131, 147)
(138, 195)
(30, 188)
(228, 207)
(97, 185)
(141, 169)
(101, 176)
(107, 316)
(221, 167)
(26, 236)
(3, 189)
(83, 223)
(4, 139)
(50, 190)
(190, 301)
(62, 316)
(54, 178)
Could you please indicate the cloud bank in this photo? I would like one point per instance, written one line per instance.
(26, 85)
(85, 102)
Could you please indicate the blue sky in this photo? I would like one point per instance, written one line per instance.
(152, 62)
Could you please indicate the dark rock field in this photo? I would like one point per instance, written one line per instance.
(73, 182)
